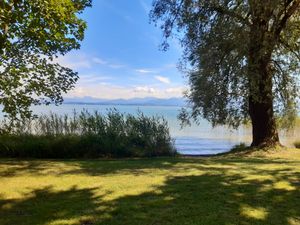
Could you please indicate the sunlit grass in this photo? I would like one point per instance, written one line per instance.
(221, 190)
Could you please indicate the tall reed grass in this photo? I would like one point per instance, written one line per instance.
(86, 134)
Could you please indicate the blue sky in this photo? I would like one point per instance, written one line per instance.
(120, 56)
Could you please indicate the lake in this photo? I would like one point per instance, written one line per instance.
(194, 140)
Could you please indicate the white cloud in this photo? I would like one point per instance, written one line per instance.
(92, 78)
(99, 61)
(144, 71)
(110, 91)
(176, 90)
(163, 68)
(162, 79)
(104, 62)
(116, 66)
(78, 61)
(145, 89)
(74, 61)
(170, 66)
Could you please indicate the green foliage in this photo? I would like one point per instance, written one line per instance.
(32, 34)
(239, 148)
(88, 135)
(297, 144)
(220, 40)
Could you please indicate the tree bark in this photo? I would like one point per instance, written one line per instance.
(264, 129)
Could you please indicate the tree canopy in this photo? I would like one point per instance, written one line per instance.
(243, 55)
(32, 34)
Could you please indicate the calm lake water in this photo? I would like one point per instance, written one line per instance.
(197, 139)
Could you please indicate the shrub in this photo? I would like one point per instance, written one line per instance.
(89, 135)
(297, 144)
(239, 148)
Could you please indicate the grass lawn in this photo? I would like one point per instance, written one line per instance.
(221, 190)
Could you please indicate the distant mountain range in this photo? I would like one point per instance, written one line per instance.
(149, 101)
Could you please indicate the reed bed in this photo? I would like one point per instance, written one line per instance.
(86, 134)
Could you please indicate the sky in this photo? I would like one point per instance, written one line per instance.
(120, 55)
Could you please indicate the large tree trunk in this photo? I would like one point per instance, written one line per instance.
(264, 129)
(261, 111)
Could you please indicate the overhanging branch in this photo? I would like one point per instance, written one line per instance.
(289, 11)
(290, 48)
(225, 11)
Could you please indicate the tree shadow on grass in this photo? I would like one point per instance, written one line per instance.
(46, 205)
(213, 199)
(11, 167)
(217, 196)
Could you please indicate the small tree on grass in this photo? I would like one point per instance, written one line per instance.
(244, 58)
(32, 34)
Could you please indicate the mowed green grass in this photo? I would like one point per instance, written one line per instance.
(220, 190)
